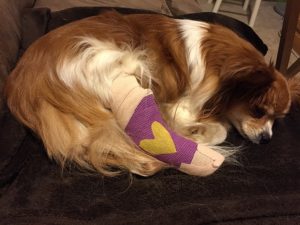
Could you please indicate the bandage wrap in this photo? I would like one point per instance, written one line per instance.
(148, 130)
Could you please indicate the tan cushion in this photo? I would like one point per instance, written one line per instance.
(55, 5)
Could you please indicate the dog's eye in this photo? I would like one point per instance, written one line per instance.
(258, 112)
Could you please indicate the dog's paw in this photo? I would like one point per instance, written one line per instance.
(208, 133)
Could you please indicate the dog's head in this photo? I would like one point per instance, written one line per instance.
(265, 103)
(250, 94)
(252, 98)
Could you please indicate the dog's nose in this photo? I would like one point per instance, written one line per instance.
(265, 138)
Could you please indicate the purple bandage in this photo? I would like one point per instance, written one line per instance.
(148, 130)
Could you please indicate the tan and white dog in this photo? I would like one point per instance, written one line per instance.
(204, 77)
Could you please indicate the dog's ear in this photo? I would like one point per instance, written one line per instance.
(248, 75)
(240, 83)
(294, 86)
(247, 82)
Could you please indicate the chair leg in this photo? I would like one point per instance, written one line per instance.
(217, 6)
(289, 26)
(166, 6)
(293, 69)
(254, 12)
(246, 4)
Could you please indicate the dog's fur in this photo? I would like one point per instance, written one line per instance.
(204, 78)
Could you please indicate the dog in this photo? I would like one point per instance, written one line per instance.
(205, 79)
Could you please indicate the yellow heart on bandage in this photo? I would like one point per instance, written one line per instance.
(162, 142)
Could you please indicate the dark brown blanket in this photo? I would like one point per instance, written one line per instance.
(264, 189)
